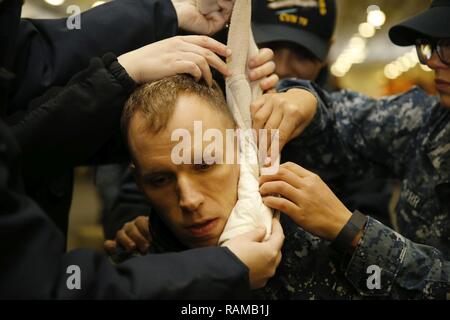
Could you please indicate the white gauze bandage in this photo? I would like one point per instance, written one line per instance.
(249, 211)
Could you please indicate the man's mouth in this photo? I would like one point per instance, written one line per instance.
(202, 228)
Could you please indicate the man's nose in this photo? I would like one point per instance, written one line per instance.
(190, 197)
(435, 62)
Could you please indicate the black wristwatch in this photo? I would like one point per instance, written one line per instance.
(343, 241)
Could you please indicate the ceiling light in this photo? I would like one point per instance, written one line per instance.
(55, 2)
(97, 3)
(366, 30)
(375, 16)
(391, 71)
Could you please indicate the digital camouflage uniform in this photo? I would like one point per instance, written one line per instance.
(404, 137)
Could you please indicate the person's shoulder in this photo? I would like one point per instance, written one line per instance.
(415, 96)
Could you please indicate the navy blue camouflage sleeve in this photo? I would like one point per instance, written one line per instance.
(358, 134)
(387, 264)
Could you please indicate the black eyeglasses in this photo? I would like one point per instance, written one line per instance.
(426, 47)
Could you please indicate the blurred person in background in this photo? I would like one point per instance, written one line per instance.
(301, 36)
(404, 137)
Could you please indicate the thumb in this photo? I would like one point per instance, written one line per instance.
(110, 246)
(256, 235)
(215, 22)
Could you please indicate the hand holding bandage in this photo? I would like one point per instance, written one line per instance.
(203, 16)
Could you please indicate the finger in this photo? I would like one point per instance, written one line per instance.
(282, 174)
(209, 54)
(279, 187)
(208, 43)
(263, 56)
(281, 204)
(257, 104)
(141, 242)
(201, 63)
(211, 58)
(287, 128)
(263, 71)
(143, 226)
(262, 115)
(110, 246)
(216, 21)
(269, 83)
(298, 170)
(273, 124)
(125, 241)
(276, 239)
(183, 66)
(278, 259)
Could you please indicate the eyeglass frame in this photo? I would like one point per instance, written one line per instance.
(435, 45)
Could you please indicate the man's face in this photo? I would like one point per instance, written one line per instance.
(441, 78)
(293, 62)
(194, 200)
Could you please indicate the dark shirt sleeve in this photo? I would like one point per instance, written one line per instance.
(355, 133)
(47, 53)
(74, 122)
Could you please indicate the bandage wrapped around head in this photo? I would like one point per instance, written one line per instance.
(249, 211)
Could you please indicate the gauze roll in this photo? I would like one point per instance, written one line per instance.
(249, 211)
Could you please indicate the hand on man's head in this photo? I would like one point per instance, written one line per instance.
(193, 55)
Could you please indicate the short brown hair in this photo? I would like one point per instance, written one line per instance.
(157, 100)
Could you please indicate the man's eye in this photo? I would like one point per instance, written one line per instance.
(203, 166)
(159, 181)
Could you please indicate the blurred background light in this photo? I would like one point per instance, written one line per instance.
(97, 3)
(375, 16)
(55, 2)
(366, 30)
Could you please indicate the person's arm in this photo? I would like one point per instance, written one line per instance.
(37, 268)
(408, 270)
(48, 53)
(383, 263)
(357, 134)
(72, 123)
(75, 121)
